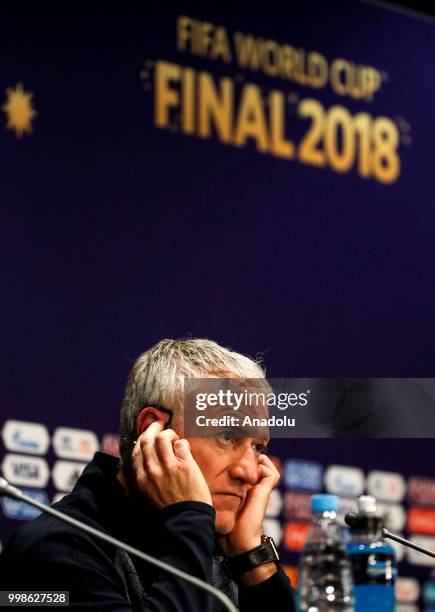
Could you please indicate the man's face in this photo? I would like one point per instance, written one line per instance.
(230, 468)
(229, 464)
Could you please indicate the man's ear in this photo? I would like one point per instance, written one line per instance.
(147, 416)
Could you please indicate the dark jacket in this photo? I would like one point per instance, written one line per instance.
(49, 554)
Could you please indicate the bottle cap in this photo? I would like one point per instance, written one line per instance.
(324, 503)
(366, 504)
(366, 521)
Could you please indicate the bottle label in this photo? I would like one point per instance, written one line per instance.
(378, 568)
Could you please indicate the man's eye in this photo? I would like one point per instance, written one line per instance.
(259, 448)
(226, 437)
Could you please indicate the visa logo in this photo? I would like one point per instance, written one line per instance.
(25, 470)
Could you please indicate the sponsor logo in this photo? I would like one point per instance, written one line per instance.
(110, 444)
(389, 486)
(272, 528)
(274, 504)
(15, 509)
(407, 589)
(417, 558)
(23, 437)
(75, 443)
(66, 473)
(421, 520)
(422, 490)
(305, 475)
(429, 593)
(25, 470)
(344, 480)
(292, 572)
(394, 515)
(297, 505)
(295, 535)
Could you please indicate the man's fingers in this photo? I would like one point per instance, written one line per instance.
(164, 441)
(268, 470)
(165, 470)
(152, 430)
(182, 450)
(265, 460)
(147, 445)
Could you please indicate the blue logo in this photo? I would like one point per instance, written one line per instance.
(15, 509)
(21, 436)
(305, 475)
(22, 443)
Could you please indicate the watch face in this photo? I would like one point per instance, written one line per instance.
(275, 550)
(268, 540)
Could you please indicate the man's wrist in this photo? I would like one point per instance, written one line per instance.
(258, 575)
(241, 549)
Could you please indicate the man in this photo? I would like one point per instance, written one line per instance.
(196, 503)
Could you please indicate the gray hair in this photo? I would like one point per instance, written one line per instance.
(157, 378)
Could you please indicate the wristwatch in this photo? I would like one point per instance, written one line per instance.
(260, 555)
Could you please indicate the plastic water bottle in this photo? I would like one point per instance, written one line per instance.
(325, 573)
(373, 560)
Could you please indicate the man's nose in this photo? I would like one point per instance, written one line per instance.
(244, 467)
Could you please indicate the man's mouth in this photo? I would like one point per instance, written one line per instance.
(231, 494)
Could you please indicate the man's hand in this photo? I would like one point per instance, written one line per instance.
(247, 531)
(165, 470)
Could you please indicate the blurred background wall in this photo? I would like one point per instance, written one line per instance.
(261, 178)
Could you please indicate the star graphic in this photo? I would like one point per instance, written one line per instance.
(19, 110)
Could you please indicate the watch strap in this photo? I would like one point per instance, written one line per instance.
(266, 552)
